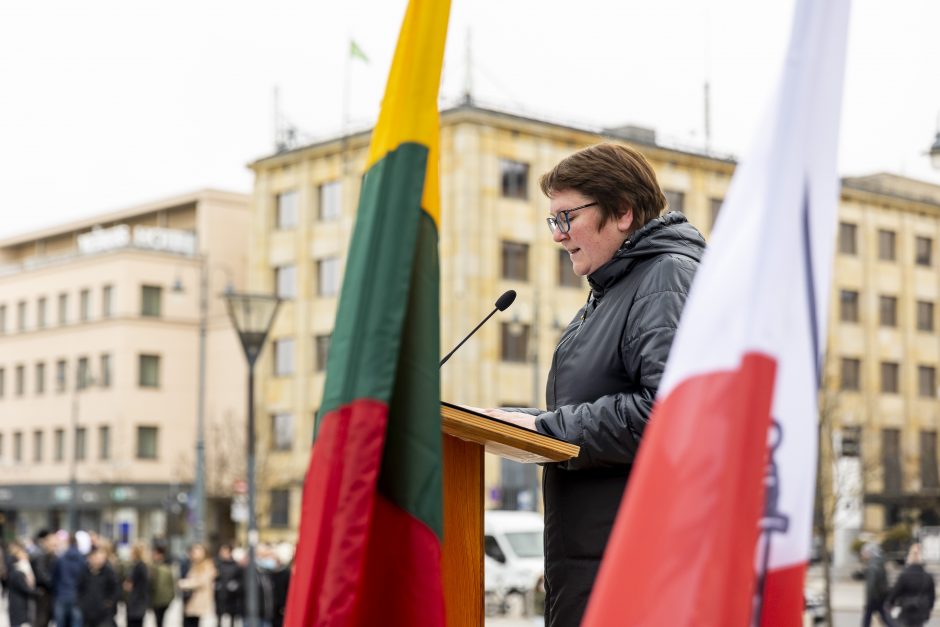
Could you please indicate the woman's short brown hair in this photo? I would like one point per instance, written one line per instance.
(618, 177)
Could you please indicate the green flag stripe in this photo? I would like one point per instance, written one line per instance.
(367, 334)
(386, 343)
(411, 466)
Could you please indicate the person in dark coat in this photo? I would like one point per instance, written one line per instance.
(876, 586)
(229, 586)
(605, 212)
(913, 592)
(43, 563)
(137, 588)
(98, 591)
(65, 574)
(21, 588)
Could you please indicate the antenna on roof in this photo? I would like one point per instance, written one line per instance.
(468, 70)
(285, 133)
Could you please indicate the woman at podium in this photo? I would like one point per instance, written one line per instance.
(606, 211)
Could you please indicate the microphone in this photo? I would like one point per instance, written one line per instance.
(502, 304)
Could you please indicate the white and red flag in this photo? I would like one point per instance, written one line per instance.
(716, 525)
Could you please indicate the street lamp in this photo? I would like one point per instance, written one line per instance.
(252, 316)
(199, 481)
(83, 379)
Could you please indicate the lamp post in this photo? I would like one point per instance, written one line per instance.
(82, 380)
(252, 316)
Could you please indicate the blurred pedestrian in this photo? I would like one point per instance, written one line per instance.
(280, 581)
(43, 563)
(162, 584)
(137, 588)
(21, 587)
(264, 564)
(229, 588)
(98, 590)
(876, 586)
(65, 574)
(913, 592)
(197, 587)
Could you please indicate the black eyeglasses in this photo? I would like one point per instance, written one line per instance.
(555, 224)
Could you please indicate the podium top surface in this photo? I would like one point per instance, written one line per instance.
(504, 438)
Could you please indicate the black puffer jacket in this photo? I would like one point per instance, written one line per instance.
(605, 373)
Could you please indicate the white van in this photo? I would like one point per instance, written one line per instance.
(514, 557)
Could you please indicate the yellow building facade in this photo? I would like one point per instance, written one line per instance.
(493, 238)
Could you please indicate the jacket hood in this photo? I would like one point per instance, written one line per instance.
(669, 234)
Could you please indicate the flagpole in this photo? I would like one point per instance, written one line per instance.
(346, 88)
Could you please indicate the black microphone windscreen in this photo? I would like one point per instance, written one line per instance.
(504, 301)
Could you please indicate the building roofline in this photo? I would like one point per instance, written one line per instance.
(194, 197)
(875, 185)
(473, 108)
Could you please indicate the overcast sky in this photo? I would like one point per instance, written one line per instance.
(104, 104)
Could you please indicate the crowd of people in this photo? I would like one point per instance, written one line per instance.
(81, 580)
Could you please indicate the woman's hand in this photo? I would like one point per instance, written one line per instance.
(517, 418)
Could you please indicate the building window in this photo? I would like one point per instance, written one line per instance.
(107, 301)
(886, 245)
(287, 203)
(321, 351)
(927, 381)
(928, 460)
(848, 238)
(282, 432)
(17, 447)
(924, 316)
(283, 357)
(280, 508)
(675, 201)
(888, 311)
(21, 316)
(40, 378)
(848, 306)
(41, 319)
(285, 281)
(104, 372)
(149, 371)
(851, 442)
(1, 448)
(515, 257)
(3, 318)
(3, 382)
(81, 444)
(151, 297)
(515, 342)
(60, 367)
(59, 451)
(851, 374)
(146, 442)
(891, 460)
(82, 374)
(104, 443)
(566, 275)
(714, 208)
(328, 276)
(514, 179)
(37, 446)
(889, 377)
(20, 388)
(63, 308)
(923, 251)
(330, 200)
(84, 305)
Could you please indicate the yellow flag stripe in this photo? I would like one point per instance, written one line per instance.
(409, 108)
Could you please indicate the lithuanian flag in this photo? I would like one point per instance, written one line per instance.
(369, 549)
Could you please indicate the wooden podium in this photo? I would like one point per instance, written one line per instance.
(466, 435)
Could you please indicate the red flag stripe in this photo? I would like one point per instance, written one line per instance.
(401, 584)
(344, 461)
(698, 484)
